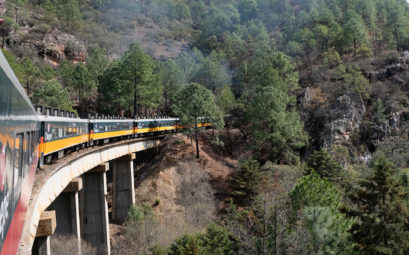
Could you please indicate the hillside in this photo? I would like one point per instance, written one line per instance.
(312, 93)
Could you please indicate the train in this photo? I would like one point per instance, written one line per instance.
(61, 135)
(33, 136)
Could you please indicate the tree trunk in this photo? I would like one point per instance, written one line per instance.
(134, 97)
(354, 47)
(196, 138)
(264, 225)
(275, 227)
(2, 44)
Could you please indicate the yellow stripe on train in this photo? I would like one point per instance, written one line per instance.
(154, 129)
(105, 135)
(54, 146)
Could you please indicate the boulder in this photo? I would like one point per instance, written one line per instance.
(343, 119)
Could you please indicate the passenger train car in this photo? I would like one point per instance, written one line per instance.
(58, 134)
(19, 153)
(32, 137)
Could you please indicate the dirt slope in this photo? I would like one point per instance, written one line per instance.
(186, 192)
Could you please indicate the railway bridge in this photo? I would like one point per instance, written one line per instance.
(69, 195)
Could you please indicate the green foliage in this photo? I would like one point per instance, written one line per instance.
(30, 75)
(114, 96)
(396, 30)
(226, 99)
(140, 228)
(212, 74)
(138, 76)
(396, 149)
(17, 68)
(354, 79)
(182, 11)
(50, 93)
(328, 230)
(83, 82)
(215, 241)
(381, 212)
(324, 165)
(245, 182)
(327, 225)
(130, 85)
(42, 29)
(331, 58)
(6, 28)
(66, 71)
(354, 30)
(194, 101)
(309, 190)
(97, 62)
(172, 78)
(186, 245)
(68, 14)
(158, 250)
(273, 127)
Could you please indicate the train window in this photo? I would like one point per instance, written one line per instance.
(60, 132)
(33, 143)
(18, 159)
(27, 150)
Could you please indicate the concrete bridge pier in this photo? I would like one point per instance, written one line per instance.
(45, 229)
(66, 206)
(94, 209)
(123, 187)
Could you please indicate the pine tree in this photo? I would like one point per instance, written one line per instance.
(381, 212)
(324, 165)
(319, 201)
(30, 75)
(216, 240)
(192, 102)
(140, 79)
(246, 181)
(354, 30)
(84, 84)
(186, 245)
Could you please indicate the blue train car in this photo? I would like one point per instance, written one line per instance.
(19, 151)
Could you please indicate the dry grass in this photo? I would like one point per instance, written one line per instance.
(68, 245)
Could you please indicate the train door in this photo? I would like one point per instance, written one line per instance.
(18, 167)
(41, 147)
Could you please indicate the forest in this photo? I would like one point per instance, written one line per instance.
(317, 89)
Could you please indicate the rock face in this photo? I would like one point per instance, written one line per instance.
(343, 120)
(391, 69)
(347, 119)
(53, 46)
(389, 126)
(57, 46)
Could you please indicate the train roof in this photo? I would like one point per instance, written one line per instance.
(110, 120)
(19, 118)
(150, 120)
(61, 119)
(10, 74)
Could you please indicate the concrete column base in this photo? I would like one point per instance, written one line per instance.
(123, 187)
(94, 210)
(42, 246)
(67, 211)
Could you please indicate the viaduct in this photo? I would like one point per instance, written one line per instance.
(69, 196)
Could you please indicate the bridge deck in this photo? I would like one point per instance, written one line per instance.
(51, 181)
